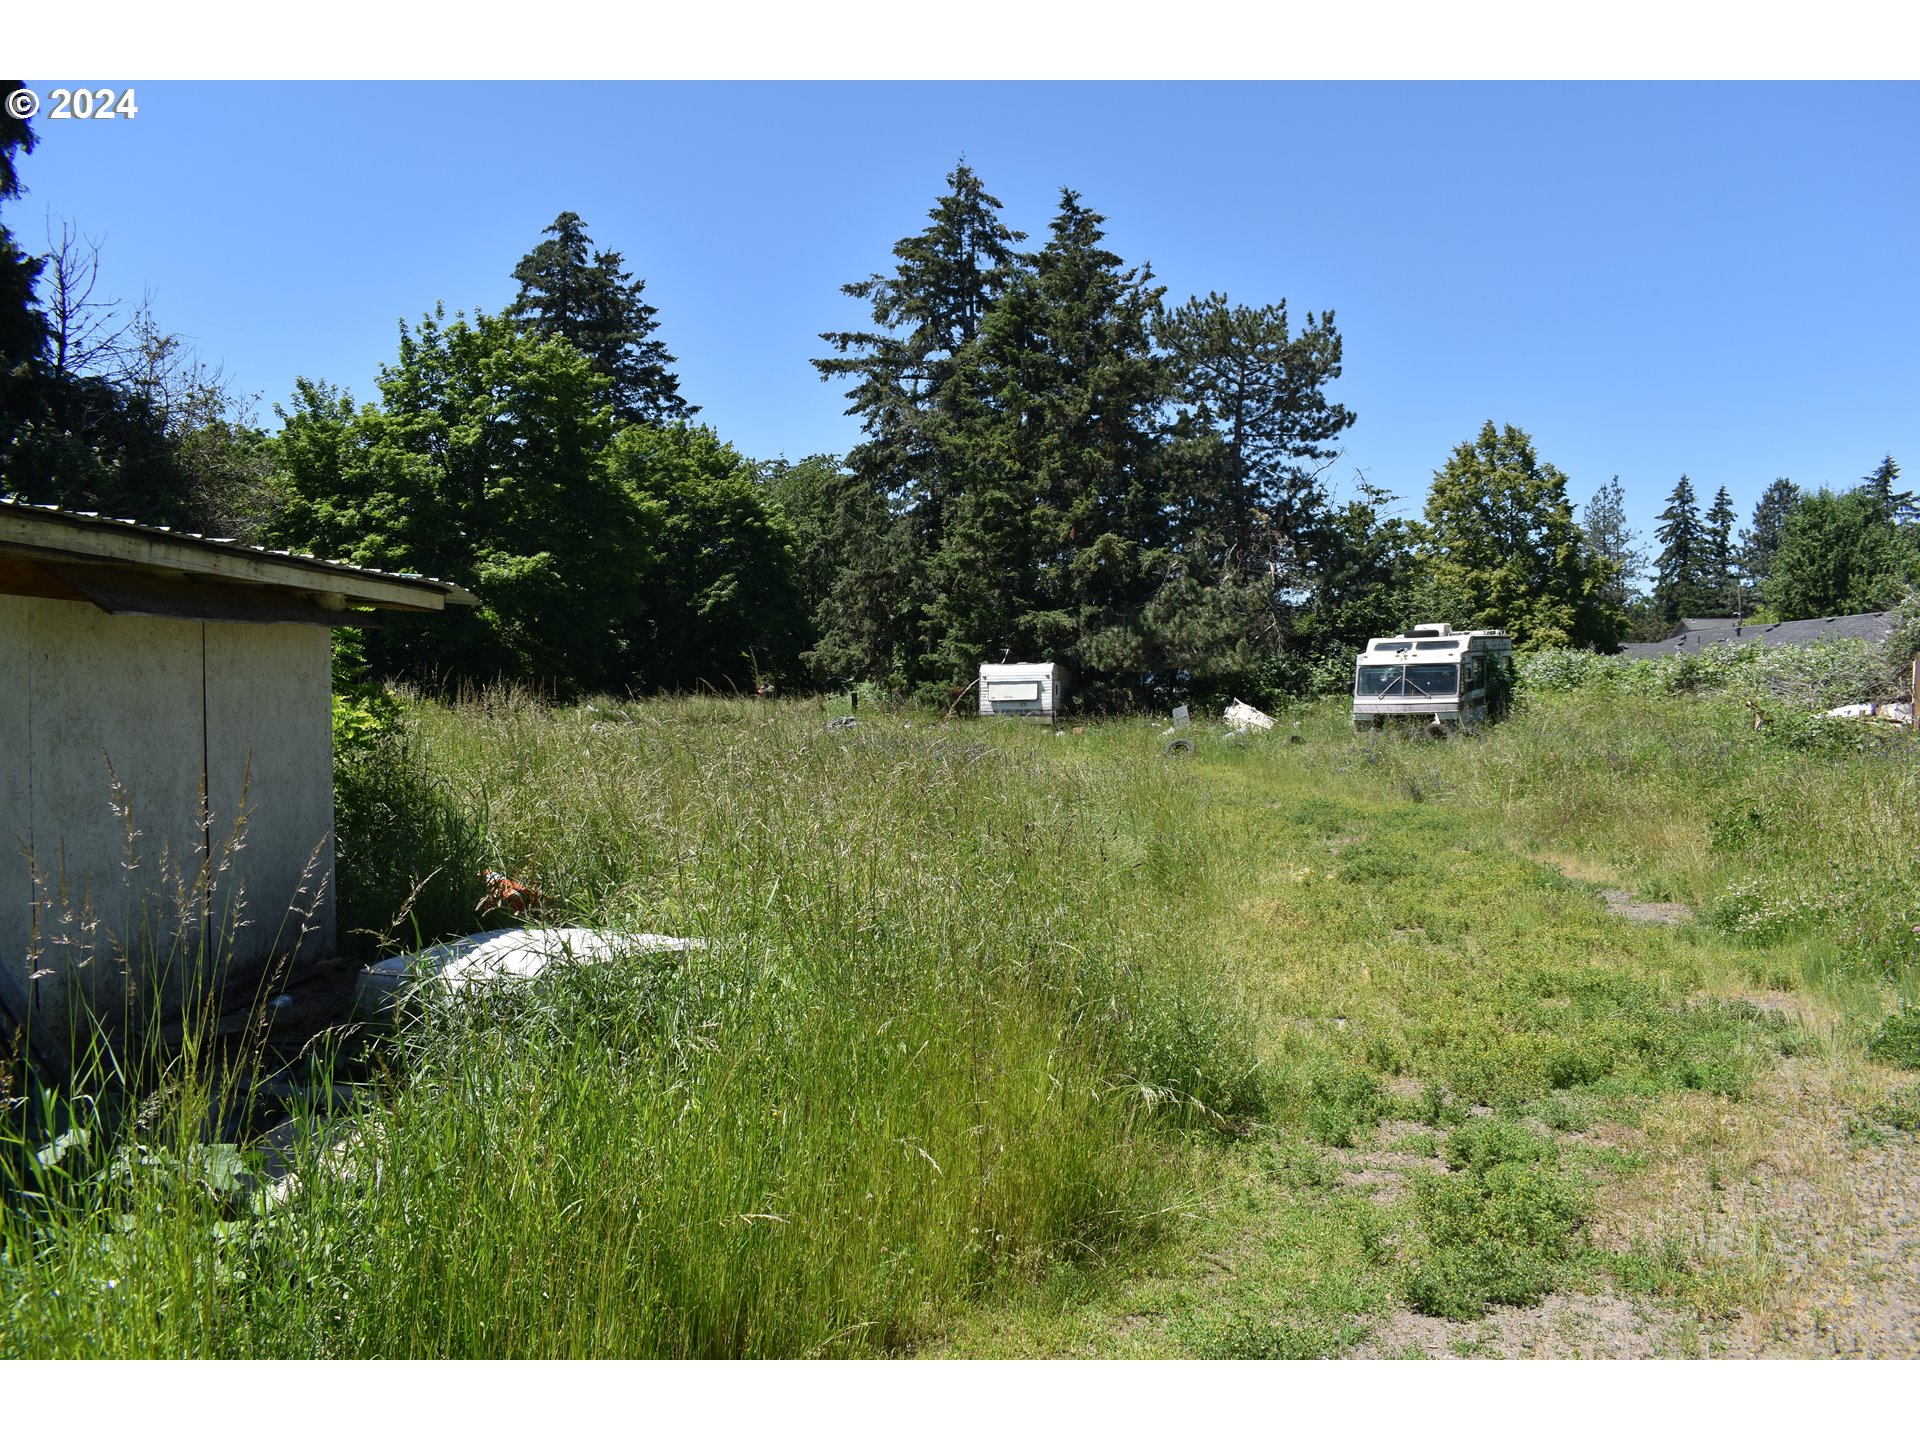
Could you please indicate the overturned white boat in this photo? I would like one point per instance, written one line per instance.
(499, 955)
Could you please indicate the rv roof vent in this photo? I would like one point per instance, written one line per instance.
(1431, 630)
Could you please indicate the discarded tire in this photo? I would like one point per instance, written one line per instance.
(1179, 747)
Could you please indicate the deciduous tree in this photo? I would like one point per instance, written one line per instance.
(483, 464)
(1840, 555)
(1504, 550)
(1604, 523)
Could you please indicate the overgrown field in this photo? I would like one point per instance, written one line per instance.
(1008, 1041)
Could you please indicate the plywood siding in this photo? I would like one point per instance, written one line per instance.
(270, 781)
(110, 726)
(115, 741)
(16, 885)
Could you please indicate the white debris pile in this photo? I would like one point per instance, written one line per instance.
(1898, 712)
(1243, 717)
(499, 955)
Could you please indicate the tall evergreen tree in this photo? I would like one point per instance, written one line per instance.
(915, 410)
(1262, 391)
(1896, 505)
(1721, 582)
(1761, 540)
(586, 297)
(1680, 569)
(1605, 525)
(1064, 530)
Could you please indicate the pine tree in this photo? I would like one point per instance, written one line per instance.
(1607, 532)
(1065, 530)
(586, 297)
(1760, 542)
(1720, 583)
(23, 328)
(1262, 391)
(916, 410)
(1679, 569)
(1896, 505)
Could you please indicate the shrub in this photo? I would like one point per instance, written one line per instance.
(1901, 1111)
(1479, 1145)
(1259, 1337)
(1898, 1041)
(1493, 1236)
(1340, 1100)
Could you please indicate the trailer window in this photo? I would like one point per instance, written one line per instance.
(1407, 682)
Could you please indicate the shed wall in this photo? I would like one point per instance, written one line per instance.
(153, 702)
(16, 886)
(270, 750)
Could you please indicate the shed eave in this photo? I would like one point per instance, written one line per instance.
(37, 533)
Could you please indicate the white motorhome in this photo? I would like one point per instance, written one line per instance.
(1435, 677)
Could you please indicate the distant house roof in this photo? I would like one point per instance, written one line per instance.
(1693, 636)
(127, 568)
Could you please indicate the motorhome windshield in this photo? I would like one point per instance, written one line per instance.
(1407, 682)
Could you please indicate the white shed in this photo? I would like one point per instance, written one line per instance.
(1020, 690)
(159, 693)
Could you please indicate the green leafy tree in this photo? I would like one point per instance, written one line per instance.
(725, 607)
(854, 565)
(1840, 554)
(572, 292)
(1363, 578)
(482, 465)
(1504, 551)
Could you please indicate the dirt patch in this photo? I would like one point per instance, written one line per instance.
(1561, 1327)
(1620, 903)
(1772, 1002)
(1798, 1222)
(1842, 1220)
(1386, 1171)
(1580, 867)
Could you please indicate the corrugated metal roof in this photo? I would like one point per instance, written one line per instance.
(1697, 635)
(53, 520)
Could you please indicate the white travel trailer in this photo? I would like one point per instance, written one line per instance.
(1021, 690)
(1435, 677)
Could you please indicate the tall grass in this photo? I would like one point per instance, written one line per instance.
(1776, 836)
(944, 1005)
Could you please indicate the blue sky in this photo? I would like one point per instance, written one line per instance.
(1716, 278)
